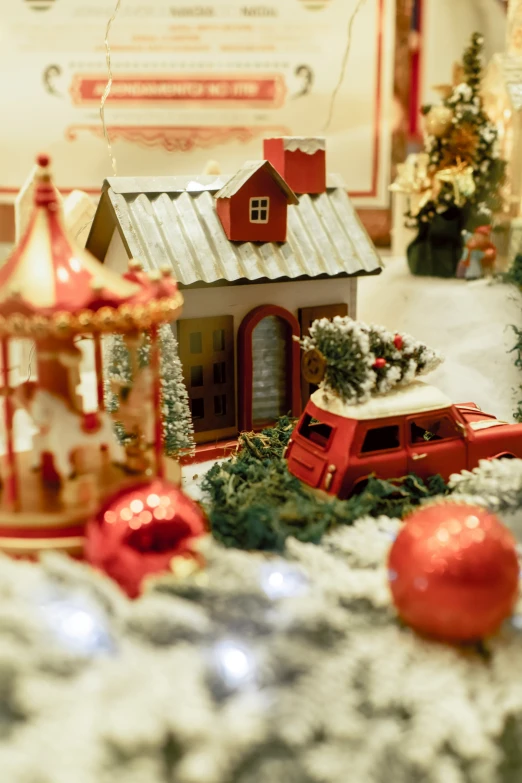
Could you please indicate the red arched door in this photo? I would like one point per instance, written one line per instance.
(268, 366)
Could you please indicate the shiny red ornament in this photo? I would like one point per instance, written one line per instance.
(453, 572)
(379, 364)
(398, 342)
(140, 530)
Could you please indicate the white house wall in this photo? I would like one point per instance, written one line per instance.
(239, 300)
(116, 257)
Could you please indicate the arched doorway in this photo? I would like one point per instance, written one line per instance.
(268, 366)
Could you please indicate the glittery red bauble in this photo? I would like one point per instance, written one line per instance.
(138, 532)
(398, 342)
(453, 572)
(379, 364)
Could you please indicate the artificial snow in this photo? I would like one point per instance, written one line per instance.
(469, 322)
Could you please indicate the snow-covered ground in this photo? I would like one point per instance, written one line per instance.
(468, 322)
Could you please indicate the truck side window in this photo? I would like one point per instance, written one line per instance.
(315, 431)
(381, 439)
(436, 428)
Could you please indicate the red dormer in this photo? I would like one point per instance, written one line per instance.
(252, 206)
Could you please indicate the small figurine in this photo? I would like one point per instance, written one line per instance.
(61, 430)
(479, 256)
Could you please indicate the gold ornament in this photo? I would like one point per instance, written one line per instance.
(461, 145)
(438, 121)
(313, 366)
(85, 319)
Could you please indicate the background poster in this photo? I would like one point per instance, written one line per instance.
(193, 82)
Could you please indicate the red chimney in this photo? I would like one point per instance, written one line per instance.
(300, 160)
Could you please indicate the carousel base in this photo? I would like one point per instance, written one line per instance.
(53, 517)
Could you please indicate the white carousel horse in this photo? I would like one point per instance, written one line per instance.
(61, 431)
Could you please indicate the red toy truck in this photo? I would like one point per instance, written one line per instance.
(412, 429)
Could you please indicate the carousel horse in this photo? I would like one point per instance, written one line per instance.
(60, 431)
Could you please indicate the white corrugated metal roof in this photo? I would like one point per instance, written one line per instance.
(173, 220)
(416, 397)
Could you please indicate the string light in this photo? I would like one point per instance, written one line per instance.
(344, 63)
(109, 86)
(78, 622)
(235, 664)
(282, 580)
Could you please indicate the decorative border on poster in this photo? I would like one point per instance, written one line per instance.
(226, 90)
(178, 139)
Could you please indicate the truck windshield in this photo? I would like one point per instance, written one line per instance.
(315, 431)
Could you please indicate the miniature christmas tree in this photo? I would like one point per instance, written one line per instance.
(360, 360)
(463, 151)
(177, 422)
(463, 178)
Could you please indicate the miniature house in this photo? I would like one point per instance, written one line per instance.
(259, 256)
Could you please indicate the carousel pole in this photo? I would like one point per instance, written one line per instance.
(155, 365)
(12, 477)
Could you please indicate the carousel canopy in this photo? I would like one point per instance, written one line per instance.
(49, 285)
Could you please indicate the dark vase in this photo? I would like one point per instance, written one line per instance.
(437, 248)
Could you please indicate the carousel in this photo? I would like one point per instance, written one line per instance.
(62, 299)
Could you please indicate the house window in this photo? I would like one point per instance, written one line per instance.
(381, 439)
(220, 404)
(206, 351)
(259, 210)
(196, 345)
(220, 372)
(198, 408)
(219, 339)
(196, 375)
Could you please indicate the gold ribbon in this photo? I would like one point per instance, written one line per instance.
(460, 177)
(423, 186)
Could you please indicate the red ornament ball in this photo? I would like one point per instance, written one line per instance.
(454, 572)
(379, 364)
(140, 530)
(398, 342)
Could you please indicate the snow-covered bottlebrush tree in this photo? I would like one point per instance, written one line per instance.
(178, 429)
(361, 360)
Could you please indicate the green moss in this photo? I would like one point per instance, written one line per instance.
(255, 503)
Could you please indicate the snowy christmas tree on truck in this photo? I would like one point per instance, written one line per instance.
(371, 414)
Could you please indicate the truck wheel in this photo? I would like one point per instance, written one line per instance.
(359, 487)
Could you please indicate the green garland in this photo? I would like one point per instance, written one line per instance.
(254, 503)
